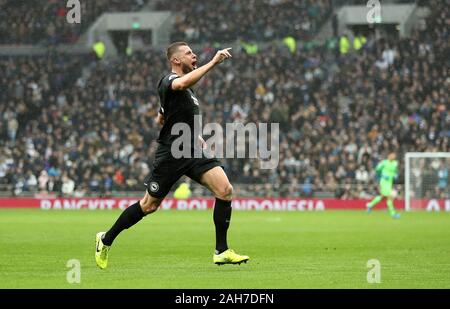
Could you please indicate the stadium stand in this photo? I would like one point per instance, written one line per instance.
(44, 21)
(265, 20)
(79, 126)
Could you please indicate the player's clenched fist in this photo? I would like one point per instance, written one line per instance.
(221, 55)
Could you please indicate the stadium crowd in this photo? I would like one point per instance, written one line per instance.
(78, 126)
(259, 20)
(44, 21)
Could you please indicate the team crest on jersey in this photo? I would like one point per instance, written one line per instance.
(154, 187)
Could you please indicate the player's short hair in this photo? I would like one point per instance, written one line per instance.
(173, 48)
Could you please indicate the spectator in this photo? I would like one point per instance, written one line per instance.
(31, 182)
(43, 181)
(68, 186)
(13, 125)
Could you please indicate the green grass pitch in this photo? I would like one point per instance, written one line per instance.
(173, 249)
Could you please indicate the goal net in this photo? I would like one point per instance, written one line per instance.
(427, 181)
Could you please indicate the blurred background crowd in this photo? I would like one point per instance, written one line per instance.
(75, 125)
(37, 22)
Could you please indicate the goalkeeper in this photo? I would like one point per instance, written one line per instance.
(387, 172)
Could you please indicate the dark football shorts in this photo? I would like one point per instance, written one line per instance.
(166, 170)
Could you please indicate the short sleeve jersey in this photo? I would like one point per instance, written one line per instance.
(178, 106)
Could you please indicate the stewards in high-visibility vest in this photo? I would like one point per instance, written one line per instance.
(344, 45)
(99, 49)
(250, 48)
(358, 42)
(290, 43)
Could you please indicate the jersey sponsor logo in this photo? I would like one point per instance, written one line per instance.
(194, 99)
(154, 187)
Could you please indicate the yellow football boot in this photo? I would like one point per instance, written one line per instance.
(101, 251)
(229, 257)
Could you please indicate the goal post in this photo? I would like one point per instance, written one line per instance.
(427, 180)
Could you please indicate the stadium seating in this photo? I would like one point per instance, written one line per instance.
(338, 114)
(262, 20)
(44, 21)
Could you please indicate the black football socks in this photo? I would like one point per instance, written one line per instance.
(134, 213)
(222, 216)
(129, 217)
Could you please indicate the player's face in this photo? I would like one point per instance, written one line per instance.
(392, 156)
(187, 59)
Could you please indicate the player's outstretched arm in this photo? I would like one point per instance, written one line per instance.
(193, 77)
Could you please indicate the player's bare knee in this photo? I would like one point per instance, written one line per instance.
(149, 205)
(151, 208)
(226, 192)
